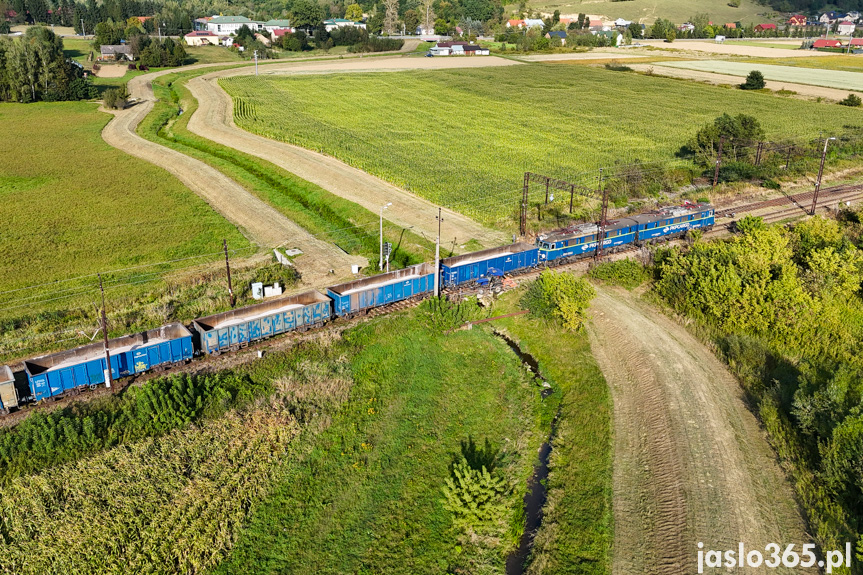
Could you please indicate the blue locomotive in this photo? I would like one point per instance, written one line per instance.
(55, 374)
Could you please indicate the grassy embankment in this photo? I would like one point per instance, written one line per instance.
(97, 210)
(677, 11)
(322, 213)
(341, 469)
(502, 122)
(365, 495)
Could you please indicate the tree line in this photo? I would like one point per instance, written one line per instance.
(34, 68)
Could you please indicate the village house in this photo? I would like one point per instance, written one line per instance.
(764, 27)
(273, 25)
(334, 23)
(823, 43)
(227, 25)
(846, 28)
(557, 34)
(533, 22)
(797, 20)
(116, 52)
(686, 27)
(515, 24)
(201, 38)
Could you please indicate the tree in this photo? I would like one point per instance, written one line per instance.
(636, 30)
(306, 14)
(428, 16)
(354, 12)
(852, 100)
(754, 81)
(391, 16)
(412, 21)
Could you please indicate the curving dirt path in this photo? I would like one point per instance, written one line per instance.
(258, 221)
(803, 90)
(214, 120)
(691, 462)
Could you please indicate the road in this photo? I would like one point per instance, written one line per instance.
(691, 462)
(214, 120)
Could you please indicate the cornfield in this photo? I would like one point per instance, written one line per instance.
(464, 138)
(173, 504)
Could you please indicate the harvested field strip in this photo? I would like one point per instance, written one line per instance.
(480, 130)
(828, 78)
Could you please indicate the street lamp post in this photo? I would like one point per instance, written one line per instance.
(820, 173)
(381, 261)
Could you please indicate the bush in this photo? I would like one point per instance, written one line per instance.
(852, 100)
(754, 81)
(626, 273)
(559, 295)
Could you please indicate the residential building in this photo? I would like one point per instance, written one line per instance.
(201, 38)
(334, 23)
(797, 20)
(533, 22)
(557, 34)
(271, 25)
(116, 52)
(823, 43)
(845, 28)
(515, 24)
(857, 42)
(614, 36)
(226, 25)
(764, 27)
(621, 23)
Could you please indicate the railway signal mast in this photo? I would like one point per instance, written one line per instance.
(108, 379)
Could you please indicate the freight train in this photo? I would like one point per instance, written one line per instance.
(53, 375)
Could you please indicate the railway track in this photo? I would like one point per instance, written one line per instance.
(801, 201)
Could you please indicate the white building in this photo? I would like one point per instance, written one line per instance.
(334, 23)
(201, 38)
(533, 22)
(273, 25)
(846, 28)
(621, 23)
(227, 25)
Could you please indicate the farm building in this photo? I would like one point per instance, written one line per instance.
(846, 28)
(822, 43)
(765, 27)
(797, 20)
(116, 52)
(457, 49)
(225, 25)
(201, 38)
(334, 23)
(472, 50)
(557, 34)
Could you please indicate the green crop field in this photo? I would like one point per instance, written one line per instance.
(845, 63)
(677, 11)
(840, 79)
(464, 138)
(73, 205)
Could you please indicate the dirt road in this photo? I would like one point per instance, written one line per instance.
(214, 120)
(258, 221)
(803, 90)
(731, 49)
(691, 463)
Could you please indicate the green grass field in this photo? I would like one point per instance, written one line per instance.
(838, 62)
(678, 11)
(465, 138)
(73, 205)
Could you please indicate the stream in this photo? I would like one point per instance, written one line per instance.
(534, 499)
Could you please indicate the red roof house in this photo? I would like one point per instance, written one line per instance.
(857, 41)
(763, 27)
(731, 26)
(822, 43)
(515, 24)
(797, 20)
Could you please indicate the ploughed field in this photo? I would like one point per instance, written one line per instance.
(464, 138)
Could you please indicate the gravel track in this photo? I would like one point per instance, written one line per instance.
(214, 120)
(256, 219)
(691, 462)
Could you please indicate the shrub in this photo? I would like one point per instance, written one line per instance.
(852, 100)
(627, 273)
(754, 81)
(559, 295)
(618, 67)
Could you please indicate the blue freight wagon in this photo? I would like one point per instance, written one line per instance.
(57, 373)
(240, 327)
(466, 268)
(353, 297)
(8, 395)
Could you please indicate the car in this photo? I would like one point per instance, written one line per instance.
(429, 55)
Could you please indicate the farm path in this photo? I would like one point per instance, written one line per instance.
(214, 120)
(258, 221)
(691, 463)
(803, 90)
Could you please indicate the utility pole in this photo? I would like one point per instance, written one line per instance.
(109, 380)
(83, 33)
(718, 161)
(523, 219)
(228, 268)
(437, 256)
(381, 260)
(256, 62)
(820, 173)
(602, 217)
